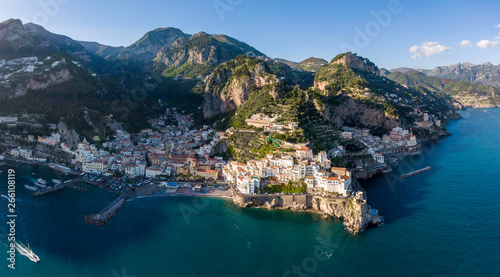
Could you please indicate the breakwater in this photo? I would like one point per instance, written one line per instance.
(107, 213)
(413, 173)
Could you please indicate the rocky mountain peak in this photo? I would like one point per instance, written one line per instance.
(353, 60)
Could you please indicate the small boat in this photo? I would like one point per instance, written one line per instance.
(42, 186)
(32, 188)
(55, 181)
(41, 181)
(26, 251)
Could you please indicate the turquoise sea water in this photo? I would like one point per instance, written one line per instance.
(443, 222)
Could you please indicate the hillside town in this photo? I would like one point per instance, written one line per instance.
(172, 148)
(313, 170)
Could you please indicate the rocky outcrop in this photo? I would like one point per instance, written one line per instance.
(355, 211)
(354, 112)
(354, 61)
(50, 79)
(69, 136)
(228, 88)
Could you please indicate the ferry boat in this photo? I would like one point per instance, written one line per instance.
(42, 186)
(55, 181)
(41, 181)
(32, 188)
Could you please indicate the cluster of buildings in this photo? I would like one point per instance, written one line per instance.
(26, 154)
(427, 120)
(54, 139)
(162, 150)
(315, 171)
(398, 141)
(269, 124)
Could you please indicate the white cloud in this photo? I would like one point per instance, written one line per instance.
(427, 49)
(466, 44)
(485, 43)
(498, 25)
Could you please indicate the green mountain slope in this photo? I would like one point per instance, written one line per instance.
(311, 64)
(465, 93)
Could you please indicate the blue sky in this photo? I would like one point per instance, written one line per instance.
(421, 34)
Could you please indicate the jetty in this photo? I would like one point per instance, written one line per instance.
(78, 188)
(107, 213)
(413, 173)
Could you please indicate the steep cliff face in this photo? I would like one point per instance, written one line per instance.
(354, 61)
(197, 55)
(50, 79)
(357, 113)
(355, 211)
(69, 136)
(351, 92)
(231, 84)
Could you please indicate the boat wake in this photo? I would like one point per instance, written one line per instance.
(26, 251)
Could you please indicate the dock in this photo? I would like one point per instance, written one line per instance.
(107, 213)
(413, 173)
(69, 183)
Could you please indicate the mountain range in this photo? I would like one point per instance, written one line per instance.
(483, 74)
(88, 86)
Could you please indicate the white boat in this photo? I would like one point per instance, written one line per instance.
(41, 181)
(26, 251)
(42, 186)
(32, 188)
(55, 181)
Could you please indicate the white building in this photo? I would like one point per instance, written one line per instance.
(152, 172)
(304, 153)
(248, 184)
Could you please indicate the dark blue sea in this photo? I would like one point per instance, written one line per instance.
(444, 222)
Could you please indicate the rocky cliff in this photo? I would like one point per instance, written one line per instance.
(355, 211)
(353, 112)
(354, 61)
(231, 84)
(351, 92)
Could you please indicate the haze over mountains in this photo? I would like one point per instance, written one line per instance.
(214, 76)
